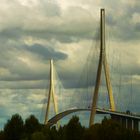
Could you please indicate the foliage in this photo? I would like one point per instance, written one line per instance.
(13, 129)
(74, 130)
(31, 125)
(16, 129)
(38, 136)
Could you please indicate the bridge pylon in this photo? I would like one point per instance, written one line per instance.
(102, 61)
(51, 94)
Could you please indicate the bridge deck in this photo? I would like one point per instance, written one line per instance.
(59, 116)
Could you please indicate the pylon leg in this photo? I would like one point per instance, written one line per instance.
(51, 94)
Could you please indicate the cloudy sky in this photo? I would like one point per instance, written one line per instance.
(34, 31)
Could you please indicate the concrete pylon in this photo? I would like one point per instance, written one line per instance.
(136, 125)
(51, 94)
(102, 61)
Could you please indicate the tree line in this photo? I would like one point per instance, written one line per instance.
(31, 129)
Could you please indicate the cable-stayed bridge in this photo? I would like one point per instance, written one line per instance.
(124, 118)
(90, 97)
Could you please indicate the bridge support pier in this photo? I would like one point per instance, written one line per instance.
(129, 123)
(123, 122)
(136, 125)
(132, 124)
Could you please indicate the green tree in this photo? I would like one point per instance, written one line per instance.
(38, 136)
(46, 131)
(32, 125)
(54, 133)
(2, 136)
(74, 130)
(61, 132)
(110, 130)
(13, 129)
(92, 133)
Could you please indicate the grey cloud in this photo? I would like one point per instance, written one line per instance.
(137, 27)
(50, 8)
(46, 52)
(24, 84)
(19, 70)
(111, 20)
(47, 22)
(19, 101)
(67, 28)
(119, 19)
(11, 33)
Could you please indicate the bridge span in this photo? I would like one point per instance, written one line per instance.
(128, 120)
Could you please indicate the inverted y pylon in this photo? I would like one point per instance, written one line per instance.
(102, 61)
(51, 94)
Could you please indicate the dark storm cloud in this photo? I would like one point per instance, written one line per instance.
(46, 52)
(12, 61)
(64, 33)
(11, 33)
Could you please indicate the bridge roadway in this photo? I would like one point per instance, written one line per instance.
(59, 116)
